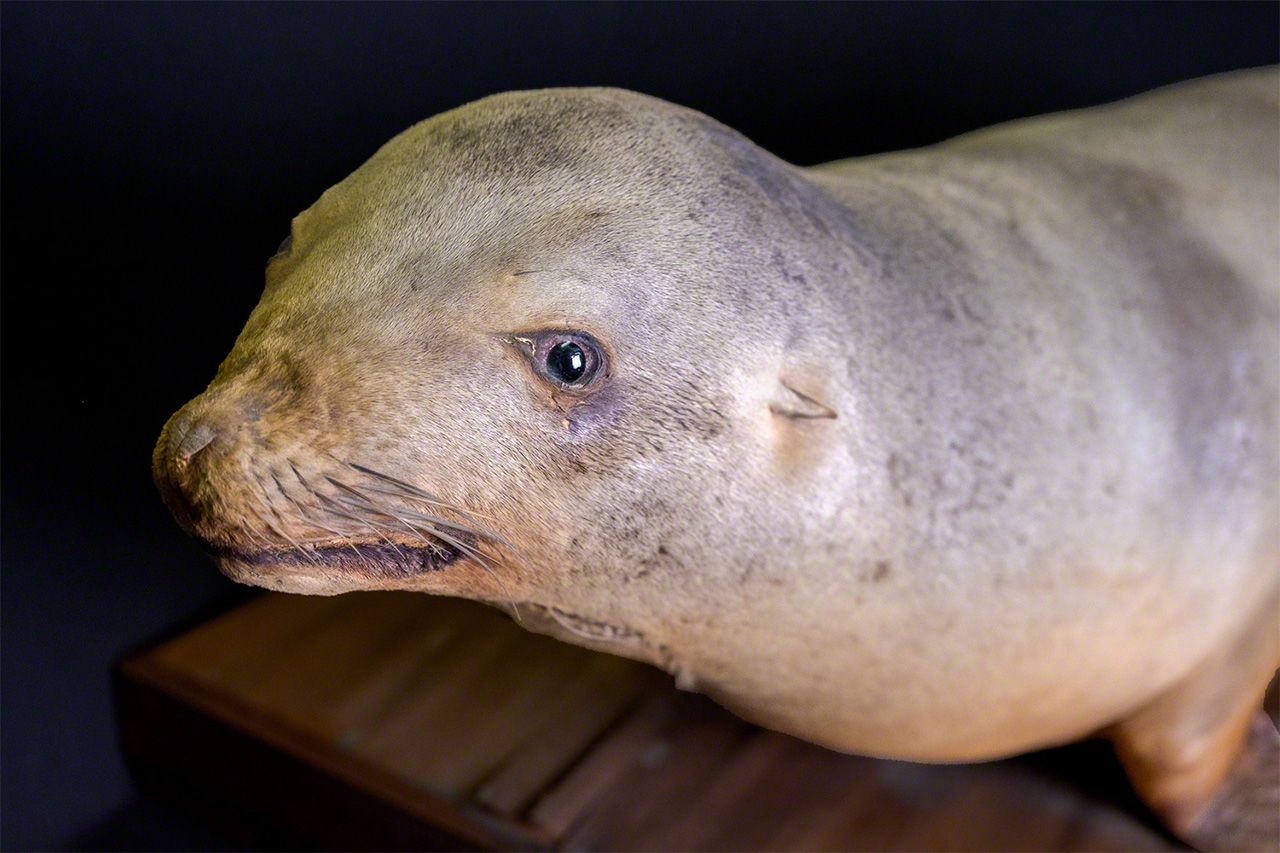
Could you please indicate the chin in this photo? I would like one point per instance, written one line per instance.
(302, 579)
(334, 569)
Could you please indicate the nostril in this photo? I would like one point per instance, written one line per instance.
(178, 441)
(195, 438)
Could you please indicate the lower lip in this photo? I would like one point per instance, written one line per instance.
(376, 559)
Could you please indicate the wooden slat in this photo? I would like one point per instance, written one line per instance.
(763, 798)
(1103, 827)
(719, 804)
(870, 814)
(227, 644)
(305, 682)
(396, 720)
(478, 728)
(402, 739)
(224, 751)
(575, 716)
(562, 805)
(660, 785)
(1031, 816)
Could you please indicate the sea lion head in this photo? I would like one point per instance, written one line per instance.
(543, 348)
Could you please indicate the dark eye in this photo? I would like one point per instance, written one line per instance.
(573, 361)
(567, 362)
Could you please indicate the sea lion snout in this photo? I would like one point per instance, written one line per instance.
(194, 446)
(280, 495)
(195, 437)
(197, 426)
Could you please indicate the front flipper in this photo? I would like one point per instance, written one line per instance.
(1245, 813)
(1203, 755)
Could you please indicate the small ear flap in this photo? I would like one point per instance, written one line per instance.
(790, 403)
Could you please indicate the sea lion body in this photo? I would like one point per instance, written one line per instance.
(941, 455)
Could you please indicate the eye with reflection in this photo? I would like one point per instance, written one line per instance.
(569, 360)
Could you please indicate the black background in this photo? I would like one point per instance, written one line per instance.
(153, 156)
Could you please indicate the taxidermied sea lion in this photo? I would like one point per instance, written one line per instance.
(940, 455)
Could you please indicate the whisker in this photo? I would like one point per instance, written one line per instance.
(429, 539)
(248, 531)
(432, 520)
(401, 483)
(386, 539)
(480, 560)
(335, 508)
(372, 528)
(481, 533)
(476, 556)
(301, 479)
(414, 490)
(365, 524)
(346, 536)
(360, 557)
(406, 496)
(328, 529)
(283, 491)
(304, 511)
(278, 531)
(428, 536)
(307, 555)
(253, 534)
(349, 489)
(355, 505)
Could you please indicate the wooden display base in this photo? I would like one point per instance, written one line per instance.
(398, 720)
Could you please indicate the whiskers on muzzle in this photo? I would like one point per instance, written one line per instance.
(384, 525)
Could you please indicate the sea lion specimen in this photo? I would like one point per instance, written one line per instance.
(942, 455)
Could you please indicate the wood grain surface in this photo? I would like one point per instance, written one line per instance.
(395, 720)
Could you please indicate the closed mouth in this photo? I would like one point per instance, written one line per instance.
(376, 559)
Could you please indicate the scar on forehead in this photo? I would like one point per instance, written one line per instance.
(515, 275)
